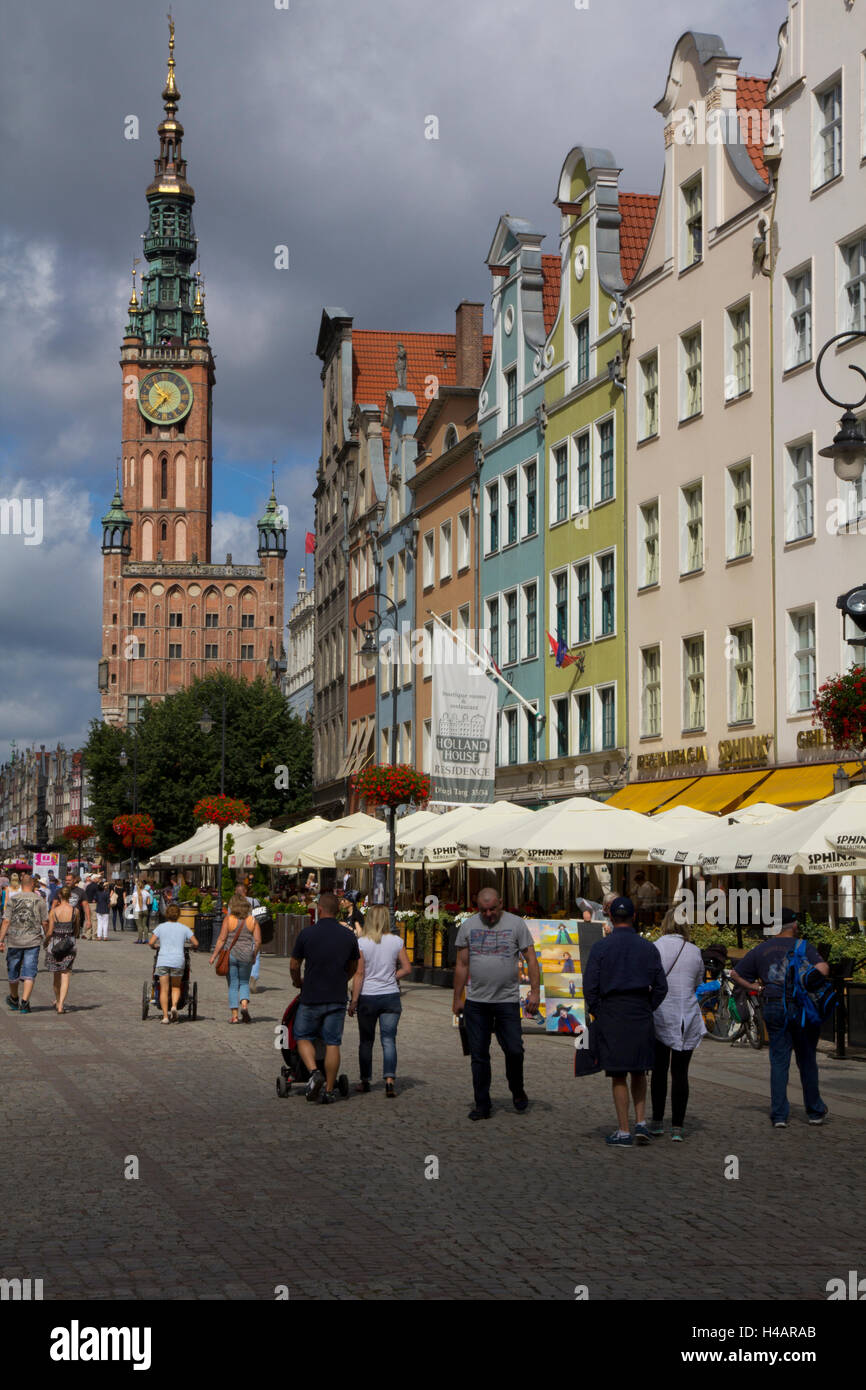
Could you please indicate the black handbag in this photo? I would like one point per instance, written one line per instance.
(586, 1061)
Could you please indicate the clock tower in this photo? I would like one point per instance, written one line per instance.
(169, 615)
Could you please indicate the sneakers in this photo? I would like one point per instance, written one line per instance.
(390, 1092)
(23, 1008)
(818, 1119)
(521, 1103)
(655, 1128)
(362, 1087)
(619, 1141)
(314, 1086)
(641, 1133)
(12, 1003)
(328, 1097)
(476, 1114)
(780, 1124)
(677, 1134)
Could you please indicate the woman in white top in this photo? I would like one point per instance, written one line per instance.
(679, 1025)
(376, 995)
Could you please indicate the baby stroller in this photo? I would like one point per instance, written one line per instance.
(294, 1069)
(188, 996)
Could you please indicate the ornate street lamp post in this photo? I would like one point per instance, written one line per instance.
(848, 450)
(370, 655)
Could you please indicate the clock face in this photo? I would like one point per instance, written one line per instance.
(164, 397)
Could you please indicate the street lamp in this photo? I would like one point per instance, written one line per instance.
(205, 723)
(369, 655)
(841, 781)
(848, 450)
(123, 759)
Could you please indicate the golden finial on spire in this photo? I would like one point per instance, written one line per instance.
(170, 88)
(133, 298)
(198, 303)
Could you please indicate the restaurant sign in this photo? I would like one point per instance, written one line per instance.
(745, 752)
(672, 760)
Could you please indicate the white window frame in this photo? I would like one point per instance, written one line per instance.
(686, 389)
(687, 258)
(796, 334)
(579, 508)
(574, 637)
(598, 716)
(492, 601)
(510, 722)
(490, 489)
(796, 653)
(427, 652)
(556, 520)
(577, 324)
(647, 700)
(444, 551)
(822, 133)
(738, 352)
(846, 319)
(506, 541)
(523, 622)
(798, 486)
(464, 545)
(524, 733)
(523, 499)
(553, 745)
(389, 577)
(574, 715)
(645, 581)
(509, 374)
(690, 727)
(645, 418)
(597, 427)
(554, 575)
(736, 665)
(401, 577)
(734, 518)
(687, 521)
(428, 552)
(597, 604)
(506, 658)
(427, 746)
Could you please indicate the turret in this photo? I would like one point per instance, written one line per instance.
(116, 527)
(272, 529)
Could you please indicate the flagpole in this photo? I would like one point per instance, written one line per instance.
(488, 667)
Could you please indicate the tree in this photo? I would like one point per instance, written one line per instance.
(177, 764)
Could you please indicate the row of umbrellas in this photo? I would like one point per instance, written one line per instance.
(827, 837)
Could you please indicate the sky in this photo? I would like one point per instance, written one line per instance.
(304, 127)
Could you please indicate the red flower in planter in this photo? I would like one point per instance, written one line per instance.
(839, 709)
(137, 830)
(392, 785)
(221, 810)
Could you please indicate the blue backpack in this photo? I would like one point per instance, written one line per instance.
(804, 1005)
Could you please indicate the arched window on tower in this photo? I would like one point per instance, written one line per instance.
(163, 532)
(163, 479)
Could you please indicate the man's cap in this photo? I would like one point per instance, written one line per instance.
(789, 917)
(621, 907)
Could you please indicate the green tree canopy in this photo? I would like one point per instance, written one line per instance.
(268, 758)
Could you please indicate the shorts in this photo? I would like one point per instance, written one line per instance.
(22, 962)
(175, 971)
(621, 1075)
(323, 1021)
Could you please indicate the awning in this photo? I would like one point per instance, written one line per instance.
(366, 746)
(799, 786)
(347, 766)
(719, 792)
(648, 796)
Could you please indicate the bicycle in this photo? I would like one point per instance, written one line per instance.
(721, 1011)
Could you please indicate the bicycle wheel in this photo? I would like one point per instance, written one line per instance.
(724, 1024)
(755, 1026)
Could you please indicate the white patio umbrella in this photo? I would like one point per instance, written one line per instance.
(289, 849)
(700, 838)
(576, 831)
(805, 841)
(176, 854)
(361, 852)
(759, 813)
(676, 830)
(439, 844)
(209, 850)
(295, 835)
(245, 844)
(319, 853)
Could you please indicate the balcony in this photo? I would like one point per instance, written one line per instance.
(170, 244)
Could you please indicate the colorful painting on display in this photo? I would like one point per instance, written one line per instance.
(561, 1003)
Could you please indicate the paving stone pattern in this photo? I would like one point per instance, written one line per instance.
(240, 1192)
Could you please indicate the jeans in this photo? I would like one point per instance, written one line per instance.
(679, 1068)
(117, 919)
(481, 1022)
(325, 1021)
(387, 1009)
(239, 981)
(785, 1038)
(22, 962)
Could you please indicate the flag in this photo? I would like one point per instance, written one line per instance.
(309, 543)
(560, 651)
(492, 662)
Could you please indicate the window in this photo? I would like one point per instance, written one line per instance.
(511, 626)
(648, 423)
(692, 529)
(493, 516)
(560, 496)
(139, 619)
(802, 668)
(463, 619)
(427, 746)
(648, 544)
(493, 627)
(605, 445)
(741, 695)
(174, 650)
(740, 512)
(211, 619)
(799, 509)
(853, 291)
(560, 724)
(530, 481)
(401, 576)
(511, 735)
(428, 650)
(429, 560)
(583, 601)
(607, 595)
(651, 692)
(248, 619)
(693, 687)
(560, 604)
(163, 479)
(451, 438)
(511, 396)
(607, 716)
(139, 650)
(175, 620)
(163, 532)
(248, 654)
(738, 378)
(584, 722)
(211, 651)
(445, 550)
(582, 472)
(406, 743)
(134, 708)
(581, 331)
(463, 541)
(693, 215)
(389, 578)
(531, 737)
(798, 318)
(511, 508)
(827, 150)
(690, 380)
(530, 620)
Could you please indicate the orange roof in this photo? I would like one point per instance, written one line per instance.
(752, 96)
(374, 355)
(550, 269)
(638, 212)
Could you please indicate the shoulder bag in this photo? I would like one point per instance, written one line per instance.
(221, 964)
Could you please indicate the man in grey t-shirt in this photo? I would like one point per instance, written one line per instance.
(488, 946)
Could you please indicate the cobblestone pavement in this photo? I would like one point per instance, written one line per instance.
(240, 1192)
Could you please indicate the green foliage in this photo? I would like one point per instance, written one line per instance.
(186, 894)
(834, 943)
(424, 928)
(177, 764)
(208, 904)
(261, 885)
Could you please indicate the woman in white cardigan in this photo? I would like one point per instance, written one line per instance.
(679, 1026)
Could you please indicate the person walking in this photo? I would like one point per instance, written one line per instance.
(679, 1026)
(489, 945)
(646, 893)
(64, 925)
(330, 954)
(376, 995)
(140, 903)
(21, 934)
(241, 930)
(765, 968)
(115, 902)
(78, 898)
(171, 938)
(623, 983)
(102, 904)
(90, 890)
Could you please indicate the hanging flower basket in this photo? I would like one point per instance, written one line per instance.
(78, 833)
(134, 831)
(221, 810)
(840, 709)
(392, 786)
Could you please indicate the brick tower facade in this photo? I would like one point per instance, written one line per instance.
(168, 614)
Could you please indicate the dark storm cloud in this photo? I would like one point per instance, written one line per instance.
(304, 127)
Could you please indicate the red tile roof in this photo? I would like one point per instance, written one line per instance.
(638, 212)
(752, 97)
(550, 269)
(427, 354)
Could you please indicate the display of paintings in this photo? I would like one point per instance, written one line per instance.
(556, 946)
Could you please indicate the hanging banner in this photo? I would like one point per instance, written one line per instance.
(463, 727)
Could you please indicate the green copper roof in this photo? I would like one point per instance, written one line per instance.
(116, 516)
(273, 518)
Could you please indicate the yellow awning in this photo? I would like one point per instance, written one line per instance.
(649, 796)
(720, 792)
(798, 786)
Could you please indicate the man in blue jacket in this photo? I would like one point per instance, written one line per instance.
(623, 983)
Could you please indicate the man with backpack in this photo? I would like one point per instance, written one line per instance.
(794, 998)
